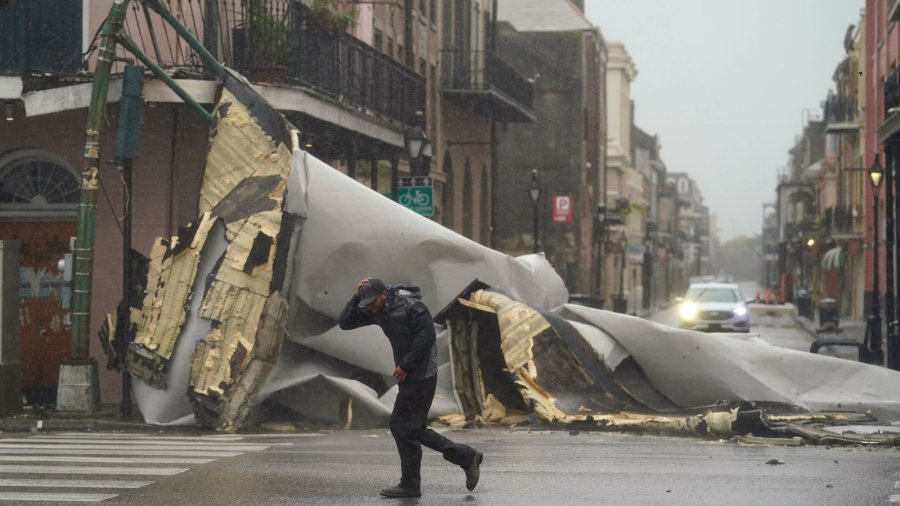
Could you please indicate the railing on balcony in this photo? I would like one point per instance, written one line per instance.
(40, 36)
(841, 109)
(467, 71)
(842, 220)
(274, 41)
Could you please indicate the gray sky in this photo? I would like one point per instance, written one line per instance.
(726, 85)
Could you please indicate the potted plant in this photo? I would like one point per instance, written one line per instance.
(262, 42)
(331, 16)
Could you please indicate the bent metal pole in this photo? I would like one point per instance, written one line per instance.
(87, 208)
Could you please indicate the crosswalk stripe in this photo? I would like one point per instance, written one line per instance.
(55, 483)
(105, 460)
(232, 448)
(149, 471)
(54, 497)
(139, 435)
(116, 451)
(149, 442)
(895, 498)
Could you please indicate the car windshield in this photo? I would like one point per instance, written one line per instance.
(712, 295)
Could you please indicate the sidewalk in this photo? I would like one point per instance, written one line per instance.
(107, 418)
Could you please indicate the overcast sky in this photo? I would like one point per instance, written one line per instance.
(726, 85)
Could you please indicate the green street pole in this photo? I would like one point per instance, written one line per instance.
(78, 388)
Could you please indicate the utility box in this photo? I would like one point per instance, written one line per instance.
(10, 363)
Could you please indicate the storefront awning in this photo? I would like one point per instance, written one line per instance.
(833, 258)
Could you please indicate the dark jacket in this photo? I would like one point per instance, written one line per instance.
(407, 324)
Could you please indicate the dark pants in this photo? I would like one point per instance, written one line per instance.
(408, 427)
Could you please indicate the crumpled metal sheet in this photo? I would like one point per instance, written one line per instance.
(292, 237)
(237, 327)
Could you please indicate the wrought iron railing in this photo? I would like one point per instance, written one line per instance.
(842, 220)
(840, 109)
(275, 41)
(483, 70)
(40, 36)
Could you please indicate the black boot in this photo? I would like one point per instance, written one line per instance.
(400, 491)
(473, 472)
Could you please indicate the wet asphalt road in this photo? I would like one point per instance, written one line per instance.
(527, 467)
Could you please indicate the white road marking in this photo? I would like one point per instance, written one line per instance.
(54, 497)
(895, 498)
(92, 446)
(149, 471)
(44, 450)
(139, 435)
(54, 483)
(149, 442)
(102, 460)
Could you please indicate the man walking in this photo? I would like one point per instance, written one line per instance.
(406, 322)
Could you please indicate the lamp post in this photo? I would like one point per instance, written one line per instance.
(873, 324)
(534, 191)
(416, 143)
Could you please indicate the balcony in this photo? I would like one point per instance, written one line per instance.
(482, 78)
(843, 222)
(841, 114)
(40, 37)
(277, 42)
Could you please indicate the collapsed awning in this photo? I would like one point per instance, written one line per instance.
(833, 258)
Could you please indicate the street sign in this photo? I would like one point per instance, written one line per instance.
(416, 194)
(562, 209)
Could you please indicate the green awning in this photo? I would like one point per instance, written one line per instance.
(833, 258)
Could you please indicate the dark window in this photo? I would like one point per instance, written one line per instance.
(423, 68)
(447, 191)
(43, 36)
(37, 181)
(377, 39)
(485, 211)
(432, 11)
(468, 215)
(390, 47)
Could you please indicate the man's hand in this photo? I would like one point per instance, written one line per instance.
(399, 374)
(361, 283)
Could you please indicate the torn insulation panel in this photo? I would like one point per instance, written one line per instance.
(240, 296)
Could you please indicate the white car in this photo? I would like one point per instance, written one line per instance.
(714, 307)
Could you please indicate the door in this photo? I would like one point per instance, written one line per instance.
(38, 206)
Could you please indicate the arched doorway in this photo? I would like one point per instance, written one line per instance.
(39, 195)
(468, 215)
(448, 217)
(485, 211)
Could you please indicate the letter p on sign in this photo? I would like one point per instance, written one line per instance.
(562, 209)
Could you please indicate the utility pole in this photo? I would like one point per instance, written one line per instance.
(78, 388)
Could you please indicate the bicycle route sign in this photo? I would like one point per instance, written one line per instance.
(416, 194)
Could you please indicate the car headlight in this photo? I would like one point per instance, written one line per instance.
(740, 311)
(688, 311)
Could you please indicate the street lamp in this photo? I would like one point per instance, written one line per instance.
(416, 144)
(534, 191)
(873, 326)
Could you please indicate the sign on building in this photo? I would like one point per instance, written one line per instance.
(416, 194)
(562, 209)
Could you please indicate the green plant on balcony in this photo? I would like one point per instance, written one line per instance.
(265, 35)
(333, 16)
